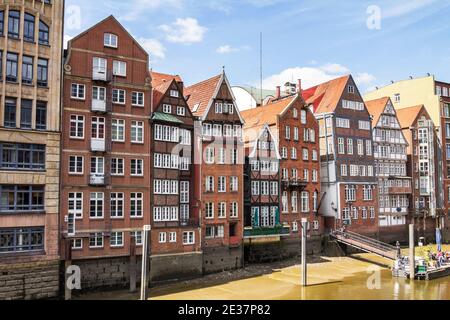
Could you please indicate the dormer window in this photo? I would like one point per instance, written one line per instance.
(110, 40)
(397, 98)
(174, 93)
(167, 108)
(351, 89)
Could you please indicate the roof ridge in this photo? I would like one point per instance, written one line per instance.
(203, 81)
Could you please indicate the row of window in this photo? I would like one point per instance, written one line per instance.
(97, 207)
(28, 65)
(264, 166)
(172, 134)
(346, 124)
(349, 148)
(224, 108)
(26, 114)
(384, 135)
(221, 184)
(394, 201)
(295, 175)
(264, 188)
(304, 202)
(116, 239)
(17, 198)
(171, 161)
(356, 171)
(30, 24)
(167, 108)
(221, 156)
(98, 129)
(21, 156)
(78, 92)
(353, 213)
(76, 166)
(265, 217)
(309, 135)
(350, 193)
(218, 130)
(21, 239)
(294, 154)
(171, 214)
(221, 210)
(392, 169)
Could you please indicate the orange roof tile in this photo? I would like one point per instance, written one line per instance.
(408, 116)
(325, 97)
(199, 95)
(160, 78)
(256, 118)
(376, 108)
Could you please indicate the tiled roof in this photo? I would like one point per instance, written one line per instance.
(160, 78)
(325, 97)
(376, 108)
(256, 118)
(199, 95)
(408, 116)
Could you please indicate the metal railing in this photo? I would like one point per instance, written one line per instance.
(366, 244)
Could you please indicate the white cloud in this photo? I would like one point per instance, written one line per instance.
(185, 31)
(312, 76)
(364, 78)
(405, 7)
(154, 48)
(225, 49)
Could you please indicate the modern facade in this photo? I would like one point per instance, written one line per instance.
(219, 162)
(347, 161)
(105, 166)
(30, 137)
(176, 250)
(295, 131)
(391, 160)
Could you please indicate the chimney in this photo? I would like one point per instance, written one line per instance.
(299, 86)
(278, 93)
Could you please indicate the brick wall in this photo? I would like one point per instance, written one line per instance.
(29, 281)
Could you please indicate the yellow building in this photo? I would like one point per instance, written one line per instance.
(412, 92)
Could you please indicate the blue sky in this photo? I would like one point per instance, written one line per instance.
(316, 40)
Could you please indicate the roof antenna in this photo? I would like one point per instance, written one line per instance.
(261, 67)
(223, 69)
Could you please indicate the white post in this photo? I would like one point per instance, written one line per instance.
(304, 238)
(145, 257)
(412, 258)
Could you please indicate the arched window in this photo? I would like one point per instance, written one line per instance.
(43, 33)
(28, 27)
(13, 24)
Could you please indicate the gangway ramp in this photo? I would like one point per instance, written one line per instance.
(366, 244)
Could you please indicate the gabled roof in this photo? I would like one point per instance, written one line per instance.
(159, 78)
(199, 95)
(407, 116)
(325, 97)
(257, 118)
(111, 17)
(376, 108)
(252, 141)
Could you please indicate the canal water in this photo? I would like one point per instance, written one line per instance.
(362, 277)
(338, 279)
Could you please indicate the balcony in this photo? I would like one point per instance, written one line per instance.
(264, 232)
(397, 211)
(400, 190)
(98, 145)
(97, 180)
(294, 183)
(100, 74)
(98, 105)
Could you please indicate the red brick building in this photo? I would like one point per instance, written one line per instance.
(296, 131)
(423, 166)
(348, 179)
(219, 165)
(105, 165)
(175, 215)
